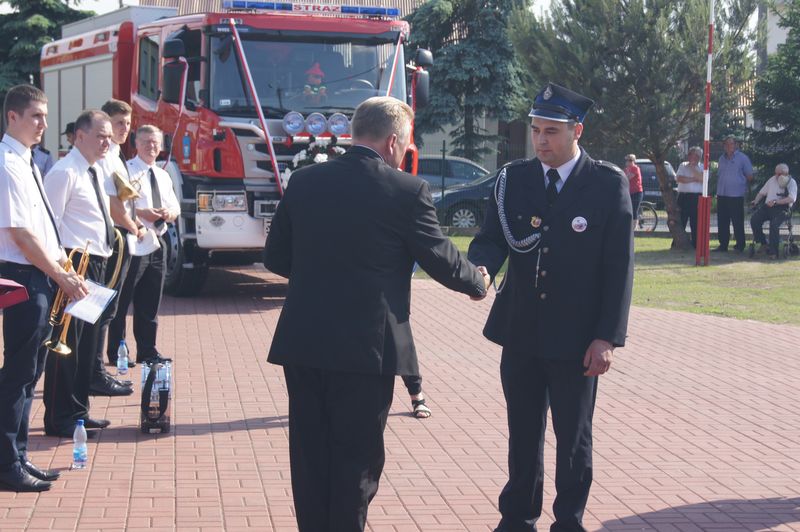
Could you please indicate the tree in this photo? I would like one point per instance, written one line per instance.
(475, 72)
(775, 105)
(644, 64)
(31, 25)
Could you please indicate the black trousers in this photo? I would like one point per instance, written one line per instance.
(110, 312)
(67, 378)
(531, 385)
(777, 216)
(413, 384)
(336, 456)
(25, 328)
(143, 287)
(730, 210)
(687, 201)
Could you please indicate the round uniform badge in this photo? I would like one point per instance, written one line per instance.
(579, 224)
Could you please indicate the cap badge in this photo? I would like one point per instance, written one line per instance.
(536, 222)
(548, 93)
(579, 224)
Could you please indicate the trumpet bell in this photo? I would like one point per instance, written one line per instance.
(125, 190)
(58, 347)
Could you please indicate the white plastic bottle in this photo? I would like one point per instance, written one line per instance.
(122, 359)
(80, 452)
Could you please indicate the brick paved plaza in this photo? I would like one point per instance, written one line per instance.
(697, 428)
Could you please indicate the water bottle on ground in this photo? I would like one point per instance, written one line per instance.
(122, 359)
(80, 452)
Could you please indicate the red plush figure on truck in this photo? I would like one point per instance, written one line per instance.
(314, 91)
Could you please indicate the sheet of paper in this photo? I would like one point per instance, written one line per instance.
(148, 244)
(92, 306)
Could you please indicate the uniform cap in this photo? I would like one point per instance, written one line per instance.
(560, 104)
(70, 128)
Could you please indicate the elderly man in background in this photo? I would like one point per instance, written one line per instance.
(735, 172)
(780, 192)
(690, 186)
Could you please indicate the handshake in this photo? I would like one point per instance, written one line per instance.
(487, 281)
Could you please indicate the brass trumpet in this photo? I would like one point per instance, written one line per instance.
(59, 319)
(125, 190)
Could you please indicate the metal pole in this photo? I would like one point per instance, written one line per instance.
(702, 255)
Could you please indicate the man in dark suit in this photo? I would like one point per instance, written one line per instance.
(564, 222)
(346, 234)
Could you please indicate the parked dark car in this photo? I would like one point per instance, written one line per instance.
(464, 206)
(652, 192)
(457, 171)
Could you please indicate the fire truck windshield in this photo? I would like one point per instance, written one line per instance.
(326, 74)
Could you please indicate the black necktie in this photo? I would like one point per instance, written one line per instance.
(155, 190)
(123, 159)
(46, 205)
(106, 217)
(552, 191)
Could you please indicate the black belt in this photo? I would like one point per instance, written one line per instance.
(17, 266)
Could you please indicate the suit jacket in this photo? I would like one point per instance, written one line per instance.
(576, 286)
(346, 235)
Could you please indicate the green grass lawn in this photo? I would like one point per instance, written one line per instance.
(733, 285)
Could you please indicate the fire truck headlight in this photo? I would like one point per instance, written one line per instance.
(338, 124)
(293, 123)
(230, 202)
(204, 201)
(316, 124)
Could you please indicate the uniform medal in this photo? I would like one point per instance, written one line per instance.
(536, 222)
(579, 224)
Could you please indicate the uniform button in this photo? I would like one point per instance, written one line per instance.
(542, 296)
(546, 228)
(543, 273)
(545, 249)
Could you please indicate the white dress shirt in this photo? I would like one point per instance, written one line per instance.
(772, 189)
(78, 215)
(563, 171)
(139, 172)
(22, 204)
(686, 170)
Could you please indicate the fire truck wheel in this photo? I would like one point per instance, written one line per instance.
(181, 281)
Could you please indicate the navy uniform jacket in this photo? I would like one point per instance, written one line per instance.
(346, 234)
(576, 285)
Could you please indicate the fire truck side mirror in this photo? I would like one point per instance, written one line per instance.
(423, 58)
(174, 48)
(421, 88)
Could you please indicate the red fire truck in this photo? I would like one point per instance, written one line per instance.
(197, 77)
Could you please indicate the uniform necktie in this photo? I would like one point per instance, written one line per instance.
(102, 204)
(552, 191)
(46, 205)
(155, 190)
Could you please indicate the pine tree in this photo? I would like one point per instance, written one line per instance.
(475, 71)
(31, 25)
(775, 105)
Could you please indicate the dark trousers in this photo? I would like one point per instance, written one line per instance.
(110, 312)
(413, 384)
(67, 378)
(25, 328)
(336, 457)
(776, 216)
(730, 210)
(687, 201)
(531, 385)
(636, 200)
(143, 286)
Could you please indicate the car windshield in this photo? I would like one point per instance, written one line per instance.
(326, 74)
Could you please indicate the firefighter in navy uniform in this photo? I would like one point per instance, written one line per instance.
(564, 222)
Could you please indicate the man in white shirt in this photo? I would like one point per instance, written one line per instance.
(124, 217)
(780, 192)
(30, 254)
(156, 206)
(76, 191)
(690, 186)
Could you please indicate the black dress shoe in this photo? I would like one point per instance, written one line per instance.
(127, 384)
(90, 423)
(110, 388)
(68, 432)
(41, 474)
(19, 480)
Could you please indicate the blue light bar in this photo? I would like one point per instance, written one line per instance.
(323, 9)
(246, 4)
